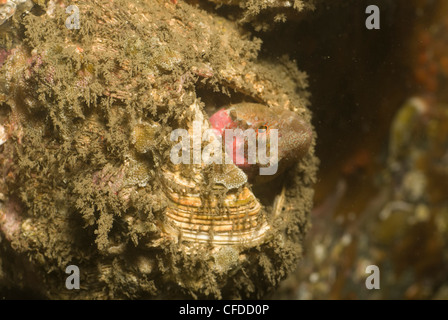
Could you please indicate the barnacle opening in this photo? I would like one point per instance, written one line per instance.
(268, 192)
(214, 99)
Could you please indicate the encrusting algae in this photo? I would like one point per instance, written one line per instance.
(87, 178)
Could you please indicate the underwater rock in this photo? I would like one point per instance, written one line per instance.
(264, 14)
(87, 177)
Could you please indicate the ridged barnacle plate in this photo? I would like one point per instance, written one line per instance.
(234, 218)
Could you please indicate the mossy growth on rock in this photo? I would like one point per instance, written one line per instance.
(84, 185)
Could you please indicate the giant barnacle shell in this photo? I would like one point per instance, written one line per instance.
(229, 219)
(223, 211)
